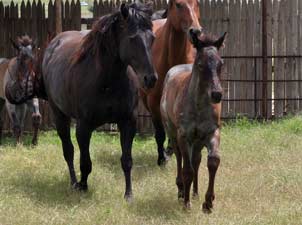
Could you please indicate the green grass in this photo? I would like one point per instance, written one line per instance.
(259, 181)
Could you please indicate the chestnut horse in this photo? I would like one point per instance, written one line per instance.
(11, 70)
(190, 109)
(84, 75)
(171, 47)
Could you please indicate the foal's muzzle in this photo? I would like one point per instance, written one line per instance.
(216, 97)
(149, 81)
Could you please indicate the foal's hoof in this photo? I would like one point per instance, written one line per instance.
(207, 207)
(80, 187)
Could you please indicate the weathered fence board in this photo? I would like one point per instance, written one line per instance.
(240, 18)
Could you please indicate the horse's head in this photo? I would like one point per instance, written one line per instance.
(184, 14)
(20, 86)
(209, 62)
(136, 40)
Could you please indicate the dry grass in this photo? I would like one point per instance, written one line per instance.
(259, 181)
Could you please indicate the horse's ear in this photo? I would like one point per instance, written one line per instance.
(15, 45)
(220, 41)
(194, 34)
(124, 10)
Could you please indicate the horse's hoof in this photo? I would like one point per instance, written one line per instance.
(80, 187)
(34, 142)
(162, 161)
(128, 197)
(195, 196)
(180, 195)
(169, 151)
(187, 206)
(207, 207)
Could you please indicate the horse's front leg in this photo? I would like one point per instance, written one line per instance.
(83, 134)
(213, 164)
(127, 132)
(36, 119)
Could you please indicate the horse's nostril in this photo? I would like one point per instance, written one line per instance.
(150, 81)
(216, 97)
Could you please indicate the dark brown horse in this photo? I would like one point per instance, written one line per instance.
(84, 76)
(190, 109)
(171, 47)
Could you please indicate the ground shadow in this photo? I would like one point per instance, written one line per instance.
(48, 190)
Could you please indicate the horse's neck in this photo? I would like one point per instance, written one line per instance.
(177, 47)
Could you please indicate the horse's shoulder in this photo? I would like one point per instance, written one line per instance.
(157, 24)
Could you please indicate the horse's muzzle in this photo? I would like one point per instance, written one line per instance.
(149, 81)
(216, 97)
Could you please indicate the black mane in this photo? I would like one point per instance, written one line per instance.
(104, 35)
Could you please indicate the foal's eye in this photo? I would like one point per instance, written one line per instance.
(178, 5)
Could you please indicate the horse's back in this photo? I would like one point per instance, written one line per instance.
(175, 86)
(56, 63)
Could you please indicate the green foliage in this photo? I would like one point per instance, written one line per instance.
(259, 181)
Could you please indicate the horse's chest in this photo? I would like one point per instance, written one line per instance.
(198, 130)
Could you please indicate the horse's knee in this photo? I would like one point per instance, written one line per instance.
(126, 163)
(213, 163)
(86, 167)
(36, 119)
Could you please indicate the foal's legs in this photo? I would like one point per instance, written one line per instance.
(2, 103)
(179, 181)
(36, 118)
(83, 134)
(63, 129)
(196, 159)
(213, 164)
(14, 117)
(127, 132)
(187, 170)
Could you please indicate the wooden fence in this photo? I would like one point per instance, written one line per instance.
(242, 78)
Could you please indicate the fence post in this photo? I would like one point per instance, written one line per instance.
(264, 59)
(58, 25)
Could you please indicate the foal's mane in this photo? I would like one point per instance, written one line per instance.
(207, 39)
(24, 40)
(103, 39)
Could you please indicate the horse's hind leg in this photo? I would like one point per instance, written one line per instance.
(63, 129)
(83, 133)
(36, 118)
(213, 164)
(127, 133)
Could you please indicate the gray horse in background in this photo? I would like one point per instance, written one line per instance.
(11, 69)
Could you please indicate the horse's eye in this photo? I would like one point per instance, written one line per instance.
(178, 5)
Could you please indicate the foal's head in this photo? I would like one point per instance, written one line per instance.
(184, 14)
(25, 48)
(208, 63)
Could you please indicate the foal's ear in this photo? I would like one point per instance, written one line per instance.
(124, 10)
(15, 45)
(194, 34)
(220, 41)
